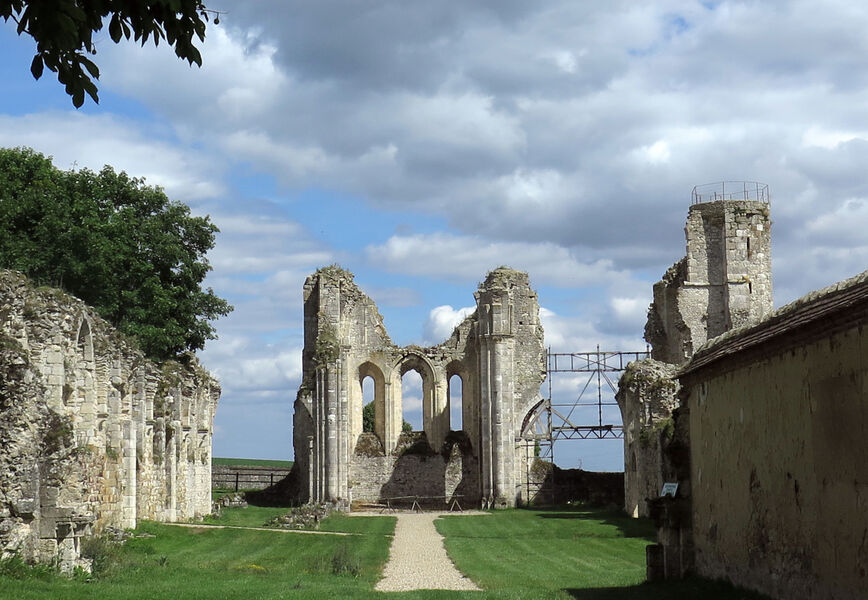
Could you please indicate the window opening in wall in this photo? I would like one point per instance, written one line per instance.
(456, 406)
(411, 400)
(368, 410)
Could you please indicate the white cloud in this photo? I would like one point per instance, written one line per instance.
(93, 141)
(468, 258)
(442, 320)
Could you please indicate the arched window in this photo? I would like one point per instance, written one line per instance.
(456, 403)
(368, 406)
(411, 400)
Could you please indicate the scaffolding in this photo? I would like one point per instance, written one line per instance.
(591, 413)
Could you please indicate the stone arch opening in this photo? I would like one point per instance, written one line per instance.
(79, 387)
(435, 418)
(455, 401)
(370, 375)
(412, 400)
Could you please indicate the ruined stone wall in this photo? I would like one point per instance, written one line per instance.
(723, 282)
(413, 470)
(779, 450)
(647, 395)
(92, 433)
(497, 352)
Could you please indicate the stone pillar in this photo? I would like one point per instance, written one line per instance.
(172, 472)
(128, 506)
(497, 393)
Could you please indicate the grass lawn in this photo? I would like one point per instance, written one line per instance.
(252, 462)
(513, 554)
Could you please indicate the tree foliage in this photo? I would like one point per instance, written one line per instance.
(64, 29)
(118, 244)
(368, 420)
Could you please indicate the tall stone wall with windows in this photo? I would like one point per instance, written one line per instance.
(497, 352)
(92, 434)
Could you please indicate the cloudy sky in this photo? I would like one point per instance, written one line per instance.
(421, 144)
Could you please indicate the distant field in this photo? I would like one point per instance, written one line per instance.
(251, 462)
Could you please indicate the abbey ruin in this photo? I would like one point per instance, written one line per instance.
(497, 352)
(93, 434)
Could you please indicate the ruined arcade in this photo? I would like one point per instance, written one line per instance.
(94, 435)
(497, 352)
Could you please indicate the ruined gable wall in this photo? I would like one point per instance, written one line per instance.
(116, 437)
(779, 467)
(497, 352)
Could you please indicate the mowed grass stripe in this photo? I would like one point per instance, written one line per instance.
(547, 550)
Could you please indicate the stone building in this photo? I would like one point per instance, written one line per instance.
(723, 282)
(92, 434)
(775, 419)
(497, 353)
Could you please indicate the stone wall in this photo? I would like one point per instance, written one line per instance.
(228, 477)
(647, 395)
(778, 461)
(92, 434)
(497, 352)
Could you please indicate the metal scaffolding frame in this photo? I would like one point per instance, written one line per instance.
(600, 366)
(551, 420)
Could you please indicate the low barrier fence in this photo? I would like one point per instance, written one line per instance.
(245, 478)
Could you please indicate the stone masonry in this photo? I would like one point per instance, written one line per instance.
(92, 434)
(723, 282)
(497, 352)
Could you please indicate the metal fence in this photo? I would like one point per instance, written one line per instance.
(245, 478)
(730, 190)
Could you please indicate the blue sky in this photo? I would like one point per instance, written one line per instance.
(421, 144)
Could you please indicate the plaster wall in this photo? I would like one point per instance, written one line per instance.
(779, 471)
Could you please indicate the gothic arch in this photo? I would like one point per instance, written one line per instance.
(435, 418)
(381, 409)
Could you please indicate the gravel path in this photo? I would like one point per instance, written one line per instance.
(417, 558)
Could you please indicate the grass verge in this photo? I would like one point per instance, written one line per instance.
(513, 554)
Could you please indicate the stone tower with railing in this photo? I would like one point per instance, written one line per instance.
(723, 282)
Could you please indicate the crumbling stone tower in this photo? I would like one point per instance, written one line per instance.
(723, 282)
(497, 352)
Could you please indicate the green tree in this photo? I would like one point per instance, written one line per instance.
(368, 420)
(118, 244)
(63, 31)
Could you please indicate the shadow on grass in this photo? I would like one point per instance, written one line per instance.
(692, 587)
(627, 526)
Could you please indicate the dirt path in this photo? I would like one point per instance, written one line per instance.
(418, 560)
